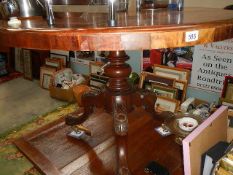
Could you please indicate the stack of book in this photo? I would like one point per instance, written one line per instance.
(211, 157)
(226, 165)
(218, 160)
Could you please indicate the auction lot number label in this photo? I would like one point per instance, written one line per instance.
(191, 36)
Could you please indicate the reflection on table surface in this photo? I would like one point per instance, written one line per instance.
(146, 18)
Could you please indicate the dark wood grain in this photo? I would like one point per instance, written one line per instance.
(98, 154)
(38, 158)
(147, 30)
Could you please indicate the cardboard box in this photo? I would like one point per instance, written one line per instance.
(62, 94)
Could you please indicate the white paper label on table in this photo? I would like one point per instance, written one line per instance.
(191, 36)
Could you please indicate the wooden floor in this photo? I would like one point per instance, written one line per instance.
(54, 152)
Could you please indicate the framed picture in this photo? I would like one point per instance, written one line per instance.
(227, 92)
(64, 58)
(226, 102)
(54, 62)
(27, 64)
(46, 81)
(85, 57)
(165, 91)
(172, 72)
(18, 59)
(181, 86)
(166, 104)
(147, 79)
(98, 81)
(46, 71)
(95, 67)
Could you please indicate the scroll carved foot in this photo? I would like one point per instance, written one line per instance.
(89, 100)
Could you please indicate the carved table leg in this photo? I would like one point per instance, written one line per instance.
(89, 101)
(118, 90)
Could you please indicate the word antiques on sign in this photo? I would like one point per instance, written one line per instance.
(211, 63)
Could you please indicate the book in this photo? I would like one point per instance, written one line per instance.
(227, 164)
(211, 156)
(222, 171)
(230, 155)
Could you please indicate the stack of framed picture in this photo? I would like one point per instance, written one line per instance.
(97, 79)
(64, 58)
(29, 61)
(56, 63)
(18, 59)
(169, 84)
(84, 57)
(227, 92)
(47, 71)
(27, 64)
(46, 75)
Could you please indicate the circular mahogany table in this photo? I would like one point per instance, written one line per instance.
(150, 29)
(145, 30)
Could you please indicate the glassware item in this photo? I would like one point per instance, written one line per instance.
(176, 5)
(172, 4)
(30, 8)
(180, 5)
(49, 13)
(9, 8)
(112, 13)
(138, 5)
(122, 5)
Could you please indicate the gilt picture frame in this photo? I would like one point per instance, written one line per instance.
(166, 104)
(227, 92)
(46, 81)
(182, 89)
(54, 62)
(165, 91)
(64, 58)
(172, 72)
(147, 78)
(46, 71)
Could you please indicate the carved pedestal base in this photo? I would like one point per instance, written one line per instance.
(118, 91)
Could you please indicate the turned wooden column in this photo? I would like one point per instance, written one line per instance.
(118, 88)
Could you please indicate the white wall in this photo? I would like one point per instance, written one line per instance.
(208, 3)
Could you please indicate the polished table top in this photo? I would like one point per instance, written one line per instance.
(145, 30)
